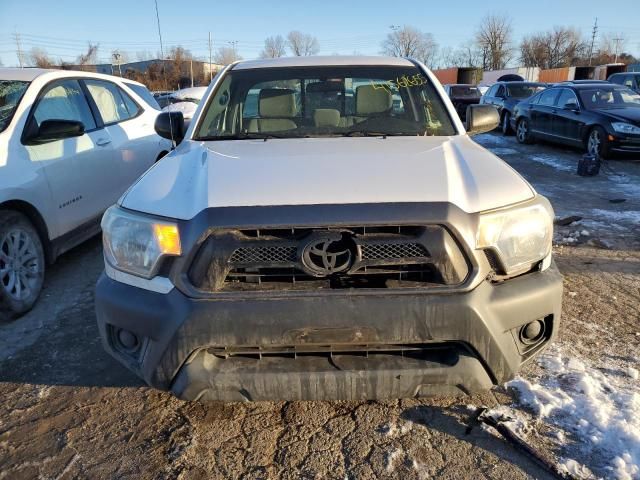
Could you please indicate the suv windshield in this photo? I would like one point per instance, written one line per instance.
(524, 91)
(324, 101)
(11, 92)
(462, 91)
(609, 97)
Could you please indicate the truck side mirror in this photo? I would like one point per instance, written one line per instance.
(481, 119)
(170, 125)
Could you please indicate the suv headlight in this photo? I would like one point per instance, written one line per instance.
(135, 244)
(521, 236)
(622, 127)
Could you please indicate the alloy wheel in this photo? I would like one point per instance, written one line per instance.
(522, 131)
(594, 145)
(19, 264)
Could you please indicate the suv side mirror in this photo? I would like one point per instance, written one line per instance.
(481, 119)
(52, 130)
(170, 125)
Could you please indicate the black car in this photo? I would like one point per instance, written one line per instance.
(462, 96)
(629, 79)
(602, 118)
(506, 95)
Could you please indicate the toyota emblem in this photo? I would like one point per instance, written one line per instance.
(330, 253)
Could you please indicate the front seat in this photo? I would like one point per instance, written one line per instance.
(276, 109)
(372, 100)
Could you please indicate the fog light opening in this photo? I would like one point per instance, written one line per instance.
(127, 340)
(532, 332)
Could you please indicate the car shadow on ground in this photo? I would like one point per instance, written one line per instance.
(58, 342)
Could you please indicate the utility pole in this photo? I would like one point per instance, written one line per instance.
(16, 35)
(191, 70)
(593, 39)
(210, 66)
(233, 44)
(617, 40)
(116, 56)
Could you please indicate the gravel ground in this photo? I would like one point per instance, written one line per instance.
(69, 411)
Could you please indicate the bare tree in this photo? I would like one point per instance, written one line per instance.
(274, 47)
(302, 44)
(40, 58)
(494, 37)
(410, 42)
(559, 47)
(225, 55)
(90, 57)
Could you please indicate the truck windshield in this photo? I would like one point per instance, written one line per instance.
(11, 92)
(323, 101)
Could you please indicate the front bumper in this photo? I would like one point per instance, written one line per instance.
(338, 345)
(622, 143)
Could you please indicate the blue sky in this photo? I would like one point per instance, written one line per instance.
(63, 28)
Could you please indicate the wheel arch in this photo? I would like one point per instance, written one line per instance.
(36, 219)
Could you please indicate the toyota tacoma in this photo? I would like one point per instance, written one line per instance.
(327, 229)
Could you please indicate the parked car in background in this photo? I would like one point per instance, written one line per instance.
(603, 118)
(71, 143)
(312, 248)
(462, 96)
(185, 101)
(630, 80)
(506, 95)
(162, 97)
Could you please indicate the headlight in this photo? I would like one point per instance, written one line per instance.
(135, 243)
(621, 127)
(520, 236)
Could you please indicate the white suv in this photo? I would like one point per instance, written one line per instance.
(71, 143)
(327, 229)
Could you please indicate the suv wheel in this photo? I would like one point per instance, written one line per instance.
(597, 142)
(506, 126)
(22, 264)
(522, 131)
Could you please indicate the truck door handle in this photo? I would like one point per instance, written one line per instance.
(102, 142)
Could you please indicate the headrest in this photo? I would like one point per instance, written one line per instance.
(326, 117)
(277, 102)
(372, 99)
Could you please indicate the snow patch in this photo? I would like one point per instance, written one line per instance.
(392, 458)
(552, 161)
(600, 413)
(618, 216)
(502, 151)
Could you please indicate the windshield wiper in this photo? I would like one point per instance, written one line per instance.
(368, 133)
(242, 136)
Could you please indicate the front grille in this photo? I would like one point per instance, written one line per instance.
(275, 254)
(355, 257)
(381, 251)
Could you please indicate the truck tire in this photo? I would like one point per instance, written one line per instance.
(22, 264)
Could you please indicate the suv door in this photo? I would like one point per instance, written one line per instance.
(567, 117)
(135, 143)
(79, 170)
(542, 112)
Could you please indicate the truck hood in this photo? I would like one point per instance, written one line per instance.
(313, 171)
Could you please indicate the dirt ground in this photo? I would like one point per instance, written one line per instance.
(69, 411)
